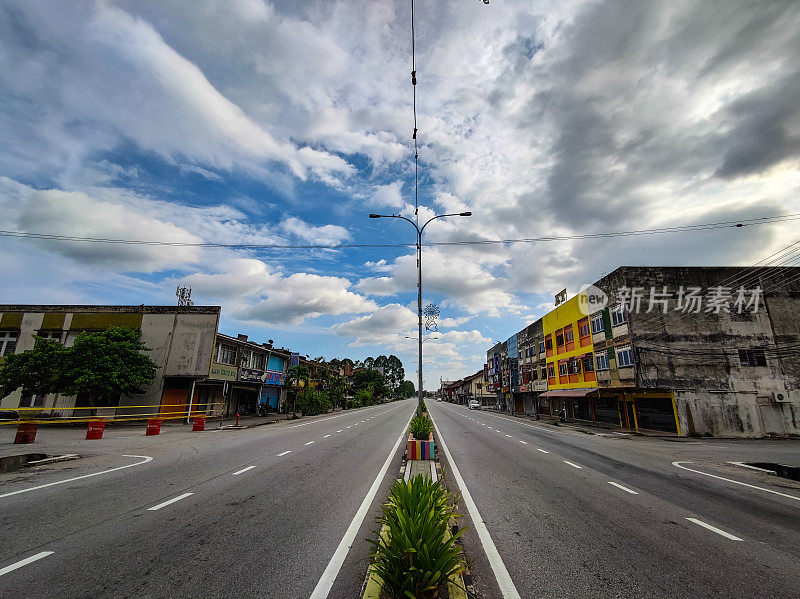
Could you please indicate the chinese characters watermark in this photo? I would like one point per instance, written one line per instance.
(690, 299)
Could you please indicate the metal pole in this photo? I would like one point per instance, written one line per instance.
(191, 400)
(419, 318)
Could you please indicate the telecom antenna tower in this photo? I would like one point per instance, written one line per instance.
(184, 295)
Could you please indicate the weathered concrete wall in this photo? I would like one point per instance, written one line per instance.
(696, 355)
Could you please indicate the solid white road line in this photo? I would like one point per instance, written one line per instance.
(507, 587)
(145, 459)
(542, 450)
(524, 442)
(743, 465)
(332, 570)
(626, 489)
(736, 482)
(573, 464)
(25, 562)
(168, 501)
(284, 453)
(238, 472)
(310, 442)
(727, 535)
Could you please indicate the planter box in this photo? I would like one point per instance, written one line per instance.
(420, 450)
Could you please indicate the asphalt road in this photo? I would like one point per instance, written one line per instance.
(578, 515)
(254, 513)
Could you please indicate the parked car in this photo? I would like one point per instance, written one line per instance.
(474, 404)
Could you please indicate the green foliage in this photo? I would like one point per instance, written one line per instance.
(36, 371)
(102, 364)
(108, 363)
(370, 379)
(313, 402)
(422, 406)
(414, 559)
(420, 428)
(363, 398)
(406, 389)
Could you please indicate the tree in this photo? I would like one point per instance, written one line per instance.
(294, 376)
(37, 371)
(370, 379)
(406, 389)
(107, 364)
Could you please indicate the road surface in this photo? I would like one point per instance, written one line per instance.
(581, 515)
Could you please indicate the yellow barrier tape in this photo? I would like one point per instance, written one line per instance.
(100, 418)
(166, 405)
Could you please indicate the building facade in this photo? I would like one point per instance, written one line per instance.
(180, 341)
(681, 350)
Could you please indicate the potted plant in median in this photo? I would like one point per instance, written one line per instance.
(420, 439)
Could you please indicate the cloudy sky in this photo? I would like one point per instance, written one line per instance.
(288, 122)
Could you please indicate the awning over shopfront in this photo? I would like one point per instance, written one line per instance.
(568, 392)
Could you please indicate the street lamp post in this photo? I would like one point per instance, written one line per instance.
(419, 231)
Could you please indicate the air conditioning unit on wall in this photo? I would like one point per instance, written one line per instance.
(780, 396)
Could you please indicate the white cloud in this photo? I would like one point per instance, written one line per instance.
(257, 293)
(388, 196)
(325, 235)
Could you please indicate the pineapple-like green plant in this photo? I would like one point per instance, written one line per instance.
(420, 428)
(414, 557)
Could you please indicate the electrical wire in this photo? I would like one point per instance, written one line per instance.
(479, 242)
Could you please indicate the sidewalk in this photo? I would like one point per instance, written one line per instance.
(591, 428)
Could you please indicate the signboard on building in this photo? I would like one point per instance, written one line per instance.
(539, 385)
(295, 360)
(251, 375)
(223, 372)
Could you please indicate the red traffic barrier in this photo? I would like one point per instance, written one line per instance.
(26, 432)
(95, 429)
(199, 423)
(153, 427)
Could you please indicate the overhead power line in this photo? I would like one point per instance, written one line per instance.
(263, 246)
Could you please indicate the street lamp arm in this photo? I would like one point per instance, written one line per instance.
(442, 216)
(413, 224)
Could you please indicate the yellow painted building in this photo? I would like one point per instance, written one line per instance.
(568, 346)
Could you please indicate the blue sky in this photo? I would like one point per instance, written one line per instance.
(289, 122)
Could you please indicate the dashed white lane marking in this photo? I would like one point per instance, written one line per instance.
(504, 581)
(284, 453)
(508, 435)
(736, 482)
(326, 436)
(524, 442)
(310, 442)
(242, 470)
(727, 535)
(332, 569)
(348, 427)
(339, 431)
(573, 464)
(542, 450)
(145, 459)
(25, 562)
(482, 424)
(626, 489)
(168, 502)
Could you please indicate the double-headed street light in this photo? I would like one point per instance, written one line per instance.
(419, 231)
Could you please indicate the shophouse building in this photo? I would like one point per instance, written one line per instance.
(180, 341)
(681, 350)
